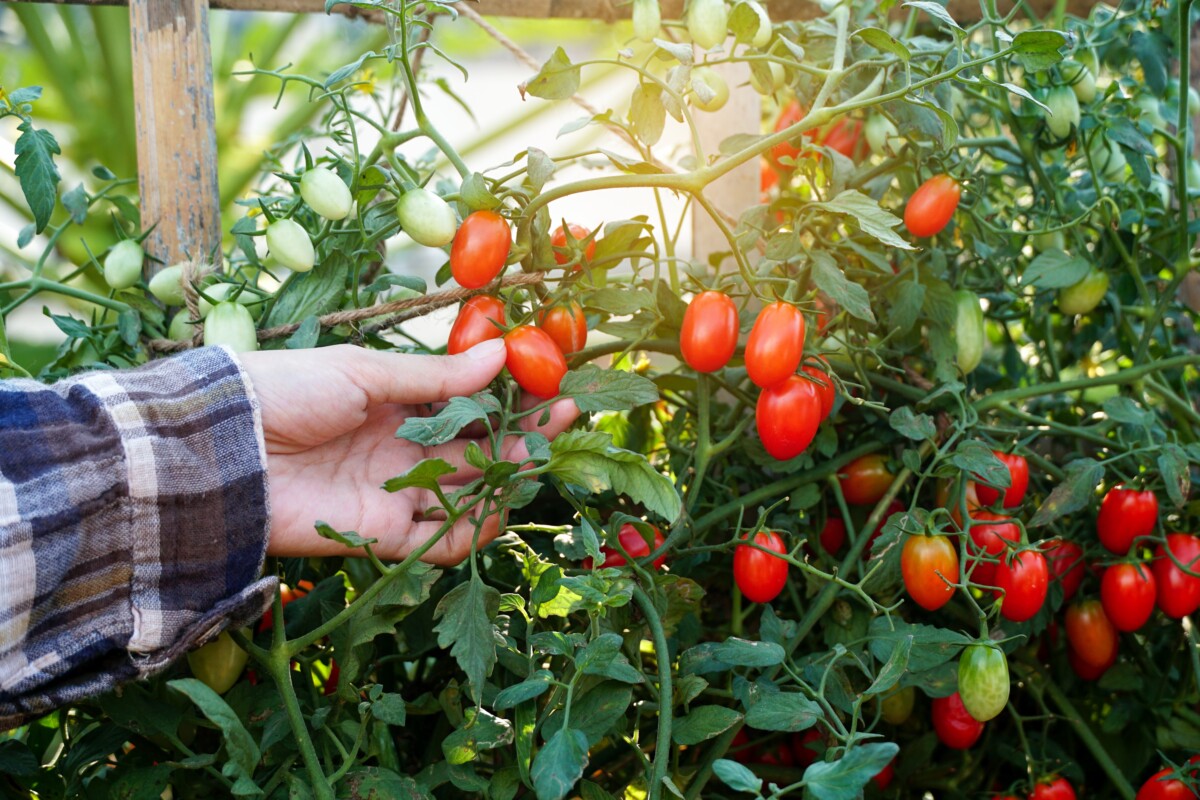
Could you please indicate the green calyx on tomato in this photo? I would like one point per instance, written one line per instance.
(480, 249)
(290, 244)
(426, 218)
(968, 330)
(983, 681)
(1082, 297)
(567, 248)
(707, 22)
(219, 663)
(326, 193)
(123, 264)
(231, 324)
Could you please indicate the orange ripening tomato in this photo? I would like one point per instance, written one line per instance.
(566, 325)
(536, 363)
(562, 251)
(710, 331)
(1091, 633)
(776, 345)
(792, 113)
(286, 595)
(480, 249)
(865, 480)
(787, 417)
(843, 136)
(478, 321)
(932, 206)
(926, 564)
(768, 178)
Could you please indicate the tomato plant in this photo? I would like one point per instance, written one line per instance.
(569, 251)
(1055, 787)
(1178, 591)
(1127, 592)
(1021, 581)
(955, 727)
(1091, 634)
(983, 683)
(787, 416)
(633, 543)
(1018, 476)
(865, 480)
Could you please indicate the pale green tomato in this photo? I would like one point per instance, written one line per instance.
(167, 285)
(1193, 102)
(1048, 241)
(230, 324)
(1082, 297)
(1193, 176)
(762, 37)
(290, 245)
(710, 92)
(1151, 109)
(879, 131)
(123, 265)
(1163, 190)
(427, 218)
(772, 78)
(983, 682)
(1081, 80)
(1064, 111)
(897, 706)
(968, 330)
(707, 23)
(326, 193)
(1107, 158)
(181, 329)
(647, 19)
(219, 663)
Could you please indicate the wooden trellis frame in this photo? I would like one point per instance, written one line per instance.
(176, 120)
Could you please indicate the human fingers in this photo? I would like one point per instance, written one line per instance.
(402, 378)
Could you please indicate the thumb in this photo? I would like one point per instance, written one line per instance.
(409, 379)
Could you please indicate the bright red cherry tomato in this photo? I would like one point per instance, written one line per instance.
(927, 563)
(1022, 582)
(1066, 561)
(1178, 592)
(955, 727)
(1127, 592)
(1161, 786)
(566, 325)
(990, 536)
(787, 417)
(562, 250)
(865, 480)
(1018, 470)
(1125, 515)
(1053, 788)
(1091, 633)
(825, 389)
(710, 331)
(776, 345)
(1086, 671)
(761, 576)
(475, 323)
(536, 363)
(631, 539)
(480, 249)
(932, 206)
(883, 779)
(833, 535)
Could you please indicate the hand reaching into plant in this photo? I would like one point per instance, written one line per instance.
(330, 417)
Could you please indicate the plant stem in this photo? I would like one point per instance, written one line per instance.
(662, 655)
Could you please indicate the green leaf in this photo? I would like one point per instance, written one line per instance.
(35, 170)
(848, 295)
(309, 294)
(1055, 269)
(980, 462)
(476, 195)
(896, 664)
(917, 427)
(558, 78)
(603, 656)
(1124, 132)
(1173, 464)
(1023, 94)
(884, 42)
(482, 731)
(243, 752)
(589, 459)
(305, 337)
(871, 217)
(745, 653)
(348, 538)
(936, 11)
(906, 306)
(783, 711)
(1074, 492)
(391, 709)
(559, 765)
(620, 302)
(535, 685)
(1038, 50)
(466, 614)
(930, 646)
(445, 425)
(424, 475)
(736, 777)
(845, 778)
(377, 783)
(1151, 50)
(17, 759)
(703, 724)
(595, 389)
(596, 712)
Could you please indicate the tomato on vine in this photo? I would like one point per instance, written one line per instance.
(480, 319)
(983, 682)
(1018, 472)
(565, 253)
(1021, 584)
(955, 728)
(709, 334)
(883, 779)
(1178, 592)
(787, 417)
(932, 206)
(897, 706)
(1086, 671)
(566, 324)
(1054, 787)
(535, 361)
(480, 249)
(1091, 633)
(865, 480)
(1127, 592)
(1066, 562)
(833, 535)
(825, 389)
(776, 345)
(1162, 785)
(759, 575)
(1126, 515)
(1084, 296)
(219, 663)
(929, 566)
(991, 534)
(635, 545)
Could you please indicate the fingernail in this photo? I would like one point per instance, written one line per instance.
(486, 350)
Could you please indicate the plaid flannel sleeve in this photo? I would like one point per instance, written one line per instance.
(133, 524)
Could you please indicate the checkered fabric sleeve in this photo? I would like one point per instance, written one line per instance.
(133, 524)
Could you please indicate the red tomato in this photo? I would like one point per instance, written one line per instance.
(833, 535)
(792, 113)
(884, 777)
(768, 178)
(776, 345)
(761, 576)
(787, 417)
(825, 389)
(1022, 582)
(807, 747)
(1086, 671)
(781, 756)
(955, 727)
(740, 749)
(1066, 561)
(1178, 592)
(927, 563)
(710, 331)
(536, 363)
(475, 323)
(932, 206)
(865, 480)
(1125, 515)
(335, 675)
(480, 249)
(566, 325)
(1091, 633)
(562, 250)
(286, 595)
(1161, 786)
(631, 539)
(1018, 470)
(843, 136)
(1127, 593)
(990, 536)
(1052, 788)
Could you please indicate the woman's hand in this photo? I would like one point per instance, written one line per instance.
(330, 417)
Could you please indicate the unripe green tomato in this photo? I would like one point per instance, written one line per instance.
(1087, 57)
(762, 37)
(230, 324)
(427, 218)
(181, 329)
(707, 23)
(1162, 189)
(968, 330)
(897, 706)
(983, 681)
(706, 81)
(1064, 111)
(1193, 176)
(219, 663)
(326, 193)
(773, 78)
(1193, 102)
(1082, 297)
(1151, 109)
(1107, 158)
(1081, 80)
(647, 19)
(1048, 241)
(290, 245)
(879, 130)
(167, 285)
(123, 266)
